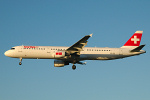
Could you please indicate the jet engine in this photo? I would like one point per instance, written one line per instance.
(60, 63)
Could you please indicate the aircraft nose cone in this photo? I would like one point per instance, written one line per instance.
(6, 53)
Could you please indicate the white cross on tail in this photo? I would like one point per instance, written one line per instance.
(135, 39)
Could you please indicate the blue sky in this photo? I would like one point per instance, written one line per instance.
(62, 23)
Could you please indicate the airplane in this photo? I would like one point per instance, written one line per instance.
(77, 53)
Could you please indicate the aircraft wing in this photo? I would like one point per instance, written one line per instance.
(78, 46)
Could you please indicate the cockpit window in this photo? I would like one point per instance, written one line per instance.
(12, 48)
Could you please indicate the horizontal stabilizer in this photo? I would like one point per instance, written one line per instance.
(138, 48)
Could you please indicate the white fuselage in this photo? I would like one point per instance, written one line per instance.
(78, 52)
(88, 53)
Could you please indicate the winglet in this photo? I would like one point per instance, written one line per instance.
(91, 35)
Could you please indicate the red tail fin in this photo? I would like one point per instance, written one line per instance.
(135, 40)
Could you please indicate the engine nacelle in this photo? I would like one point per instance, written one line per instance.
(60, 63)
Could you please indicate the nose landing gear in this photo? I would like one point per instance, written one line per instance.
(20, 63)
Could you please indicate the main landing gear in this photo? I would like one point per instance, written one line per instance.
(73, 67)
(20, 63)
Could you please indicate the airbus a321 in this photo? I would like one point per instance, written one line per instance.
(78, 52)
